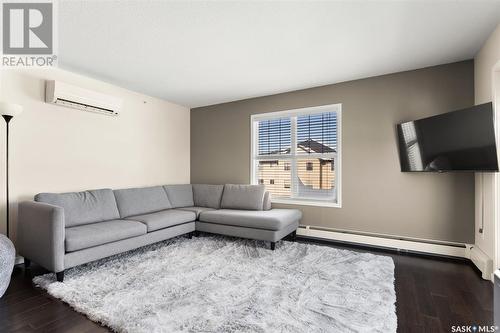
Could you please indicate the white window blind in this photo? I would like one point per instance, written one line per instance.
(295, 154)
(274, 136)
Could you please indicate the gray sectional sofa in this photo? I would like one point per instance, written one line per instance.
(63, 230)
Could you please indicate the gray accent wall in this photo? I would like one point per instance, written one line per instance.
(376, 196)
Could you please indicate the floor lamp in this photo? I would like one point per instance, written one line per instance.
(8, 111)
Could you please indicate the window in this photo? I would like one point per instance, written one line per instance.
(412, 146)
(299, 151)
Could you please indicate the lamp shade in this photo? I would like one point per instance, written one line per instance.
(10, 109)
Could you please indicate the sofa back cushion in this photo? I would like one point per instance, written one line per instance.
(83, 207)
(136, 201)
(180, 195)
(249, 197)
(207, 195)
(267, 201)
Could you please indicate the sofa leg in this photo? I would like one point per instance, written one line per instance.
(60, 276)
(190, 235)
(273, 246)
(196, 233)
(294, 236)
(27, 263)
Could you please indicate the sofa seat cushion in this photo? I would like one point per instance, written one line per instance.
(165, 218)
(274, 219)
(90, 235)
(196, 210)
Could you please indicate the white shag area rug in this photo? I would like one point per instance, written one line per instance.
(221, 284)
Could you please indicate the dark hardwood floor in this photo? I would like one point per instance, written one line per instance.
(432, 295)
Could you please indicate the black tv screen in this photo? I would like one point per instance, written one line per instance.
(462, 140)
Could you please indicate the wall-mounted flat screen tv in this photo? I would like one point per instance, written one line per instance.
(462, 140)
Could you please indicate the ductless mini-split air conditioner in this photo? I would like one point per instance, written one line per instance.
(64, 94)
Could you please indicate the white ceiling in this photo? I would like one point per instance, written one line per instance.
(198, 53)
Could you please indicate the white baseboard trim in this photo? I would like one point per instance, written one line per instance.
(482, 262)
(455, 250)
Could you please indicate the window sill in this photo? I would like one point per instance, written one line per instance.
(300, 202)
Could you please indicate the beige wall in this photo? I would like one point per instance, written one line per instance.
(484, 64)
(60, 149)
(377, 197)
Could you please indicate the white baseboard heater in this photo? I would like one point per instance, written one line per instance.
(403, 244)
(448, 249)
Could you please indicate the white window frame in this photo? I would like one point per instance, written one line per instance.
(337, 108)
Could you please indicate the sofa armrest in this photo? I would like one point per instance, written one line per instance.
(41, 234)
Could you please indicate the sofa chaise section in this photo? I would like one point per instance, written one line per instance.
(275, 219)
(239, 211)
(245, 211)
(270, 225)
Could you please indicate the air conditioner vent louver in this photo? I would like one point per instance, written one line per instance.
(63, 94)
(85, 107)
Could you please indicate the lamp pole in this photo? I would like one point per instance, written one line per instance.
(8, 111)
(7, 119)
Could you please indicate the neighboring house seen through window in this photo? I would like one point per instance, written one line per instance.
(296, 154)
